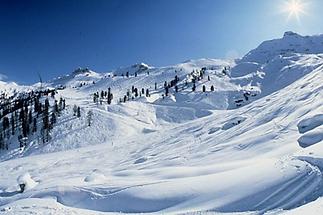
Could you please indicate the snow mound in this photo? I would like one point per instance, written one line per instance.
(233, 122)
(310, 123)
(312, 137)
(27, 180)
(141, 160)
(95, 176)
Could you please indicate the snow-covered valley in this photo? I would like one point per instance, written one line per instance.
(250, 145)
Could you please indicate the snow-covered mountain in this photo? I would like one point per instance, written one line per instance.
(252, 145)
(291, 43)
(9, 87)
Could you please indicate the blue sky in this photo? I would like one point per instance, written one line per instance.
(55, 37)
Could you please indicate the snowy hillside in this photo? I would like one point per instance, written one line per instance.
(252, 143)
(291, 43)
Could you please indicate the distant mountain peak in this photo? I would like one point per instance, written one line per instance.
(289, 44)
(291, 34)
(141, 66)
(81, 71)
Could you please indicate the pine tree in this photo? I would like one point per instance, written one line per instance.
(30, 117)
(27, 128)
(203, 88)
(95, 98)
(21, 143)
(176, 79)
(89, 117)
(46, 125)
(212, 88)
(166, 90)
(13, 127)
(46, 107)
(75, 110)
(23, 122)
(60, 104)
(56, 108)
(34, 125)
(110, 96)
(136, 92)
(78, 112)
(5, 127)
(1, 141)
(53, 119)
(36, 105)
(194, 87)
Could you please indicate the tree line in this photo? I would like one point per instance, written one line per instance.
(29, 114)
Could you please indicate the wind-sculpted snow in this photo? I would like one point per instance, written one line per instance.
(312, 137)
(233, 122)
(310, 123)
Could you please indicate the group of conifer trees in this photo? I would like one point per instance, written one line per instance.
(28, 114)
(134, 93)
(103, 96)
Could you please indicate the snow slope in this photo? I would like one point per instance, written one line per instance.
(189, 153)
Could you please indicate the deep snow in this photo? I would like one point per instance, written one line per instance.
(189, 153)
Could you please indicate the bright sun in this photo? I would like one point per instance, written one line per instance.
(294, 8)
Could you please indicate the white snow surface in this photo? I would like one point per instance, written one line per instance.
(189, 153)
(27, 181)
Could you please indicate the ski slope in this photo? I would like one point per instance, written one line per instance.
(189, 153)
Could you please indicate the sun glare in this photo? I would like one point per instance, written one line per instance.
(294, 8)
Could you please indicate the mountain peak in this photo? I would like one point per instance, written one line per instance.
(81, 71)
(291, 34)
(141, 66)
(289, 44)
